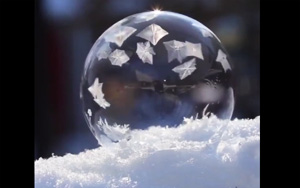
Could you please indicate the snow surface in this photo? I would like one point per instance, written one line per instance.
(207, 153)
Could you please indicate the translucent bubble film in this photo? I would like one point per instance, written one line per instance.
(154, 69)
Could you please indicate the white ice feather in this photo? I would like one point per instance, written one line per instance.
(145, 52)
(222, 58)
(89, 112)
(176, 50)
(180, 50)
(153, 33)
(147, 16)
(119, 34)
(103, 52)
(192, 49)
(185, 69)
(96, 90)
(205, 31)
(118, 57)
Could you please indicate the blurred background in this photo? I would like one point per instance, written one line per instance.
(65, 30)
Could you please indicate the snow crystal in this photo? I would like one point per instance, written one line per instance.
(222, 58)
(153, 33)
(207, 153)
(145, 52)
(96, 91)
(186, 68)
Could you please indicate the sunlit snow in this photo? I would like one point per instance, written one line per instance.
(207, 153)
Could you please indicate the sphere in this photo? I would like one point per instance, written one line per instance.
(154, 69)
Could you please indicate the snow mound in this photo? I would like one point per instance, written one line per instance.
(206, 153)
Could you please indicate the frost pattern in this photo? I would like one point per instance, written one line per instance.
(89, 112)
(153, 33)
(113, 132)
(96, 90)
(186, 68)
(222, 58)
(146, 16)
(145, 52)
(103, 52)
(119, 34)
(175, 50)
(180, 50)
(205, 31)
(192, 49)
(118, 57)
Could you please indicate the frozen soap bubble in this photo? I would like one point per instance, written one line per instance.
(154, 68)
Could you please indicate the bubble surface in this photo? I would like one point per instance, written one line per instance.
(154, 68)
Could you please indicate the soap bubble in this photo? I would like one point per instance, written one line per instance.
(154, 68)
